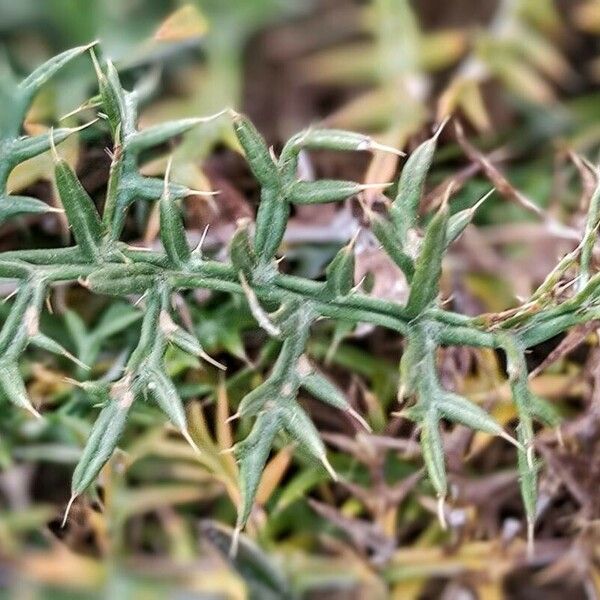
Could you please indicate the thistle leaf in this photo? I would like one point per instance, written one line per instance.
(458, 222)
(252, 454)
(271, 220)
(404, 210)
(121, 280)
(301, 428)
(25, 148)
(81, 212)
(433, 453)
(159, 134)
(14, 206)
(257, 154)
(184, 340)
(340, 271)
(428, 269)
(164, 393)
(544, 411)
(241, 250)
(115, 103)
(172, 231)
(334, 139)
(12, 386)
(319, 386)
(36, 79)
(527, 483)
(104, 436)
(460, 410)
(45, 343)
(387, 235)
(325, 190)
(255, 400)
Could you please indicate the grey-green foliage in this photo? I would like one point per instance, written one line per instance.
(284, 306)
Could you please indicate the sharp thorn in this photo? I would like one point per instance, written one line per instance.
(373, 186)
(74, 382)
(441, 127)
(90, 45)
(350, 245)
(99, 73)
(530, 538)
(235, 540)
(211, 360)
(375, 145)
(75, 360)
(198, 248)
(441, 513)
(84, 126)
(167, 174)
(511, 439)
(206, 193)
(66, 515)
(33, 411)
(401, 394)
(214, 116)
(188, 438)
(329, 468)
(80, 108)
(529, 451)
(360, 419)
(482, 200)
(11, 295)
(53, 146)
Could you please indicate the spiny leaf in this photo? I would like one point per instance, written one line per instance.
(410, 187)
(428, 269)
(254, 401)
(433, 452)
(25, 148)
(252, 454)
(164, 393)
(81, 212)
(36, 79)
(121, 280)
(241, 250)
(459, 221)
(104, 436)
(12, 386)
(172, 231)
(527, 484)
(257, 154)
(159, 134)
(323, 389)
(327, 190)
(340, 271)
(301, 428)
(114, 99)
(460, 410)
(271, 219)
(45, 343)
(335, 139)
(13, 206)
(387, 235)
(184, 340)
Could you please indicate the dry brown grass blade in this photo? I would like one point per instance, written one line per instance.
(574, 338)
(500, 182)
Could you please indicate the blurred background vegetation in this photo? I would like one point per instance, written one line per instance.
(521, 76)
